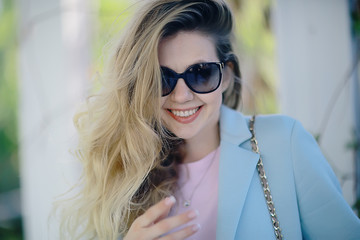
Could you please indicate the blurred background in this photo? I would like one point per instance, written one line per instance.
(298, 58)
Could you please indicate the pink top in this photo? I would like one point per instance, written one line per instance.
(198, 182)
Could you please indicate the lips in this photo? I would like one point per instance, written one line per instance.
(185, 116)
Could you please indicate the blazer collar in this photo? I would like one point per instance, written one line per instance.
(236, 171)
(233, 126)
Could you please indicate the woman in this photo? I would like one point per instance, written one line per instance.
(165, 159)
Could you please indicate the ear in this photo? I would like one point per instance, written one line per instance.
(228, 75)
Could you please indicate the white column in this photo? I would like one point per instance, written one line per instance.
(54, 49)
(314, 58)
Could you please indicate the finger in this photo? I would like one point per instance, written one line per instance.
(164, 215)
(183, 233)
(154, 213)
(171, 223)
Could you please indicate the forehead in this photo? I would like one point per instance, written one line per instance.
(186, 48)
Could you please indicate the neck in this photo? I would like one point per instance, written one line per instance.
(197, 148)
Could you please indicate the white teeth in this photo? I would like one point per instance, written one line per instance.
(187, 113)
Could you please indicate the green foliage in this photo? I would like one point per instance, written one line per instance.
(355, 17)
(13, 231)
(8, 99)
(357, 207)
(353, 144)
(9, 161)
(112, 17)
(257, 46)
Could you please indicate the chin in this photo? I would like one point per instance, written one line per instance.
(185, 135)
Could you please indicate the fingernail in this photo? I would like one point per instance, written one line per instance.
(196, 227)
(170, 200)
(193, 214)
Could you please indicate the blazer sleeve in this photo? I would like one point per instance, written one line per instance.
(324, 214)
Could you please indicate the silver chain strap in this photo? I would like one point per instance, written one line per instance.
(264, 182)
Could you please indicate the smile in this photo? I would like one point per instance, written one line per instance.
(186, 113)
(185, 116)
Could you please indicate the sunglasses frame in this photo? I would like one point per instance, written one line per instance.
(182, 75)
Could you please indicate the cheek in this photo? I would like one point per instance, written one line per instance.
(214, 100)
(163, 109)
(162, 101)
(227, 77)
(224, 85)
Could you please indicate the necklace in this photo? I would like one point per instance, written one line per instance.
(187, 201)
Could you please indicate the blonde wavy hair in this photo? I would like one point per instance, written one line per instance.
(129, 159)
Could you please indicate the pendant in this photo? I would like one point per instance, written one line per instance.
(187, 203)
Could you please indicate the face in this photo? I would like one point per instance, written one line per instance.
(187, 114)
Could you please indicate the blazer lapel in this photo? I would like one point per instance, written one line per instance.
(236, 170)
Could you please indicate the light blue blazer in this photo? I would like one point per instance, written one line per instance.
(305, 191)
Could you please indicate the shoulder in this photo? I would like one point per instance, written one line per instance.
(284, 142)
(269, 128)
(281, 130)
(280, 133)
(275, 123)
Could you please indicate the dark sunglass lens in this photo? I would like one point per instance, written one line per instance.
(168, 81)
(204, 77)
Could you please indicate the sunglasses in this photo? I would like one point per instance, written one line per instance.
(200, 78)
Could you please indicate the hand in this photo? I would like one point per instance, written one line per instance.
(154, 223)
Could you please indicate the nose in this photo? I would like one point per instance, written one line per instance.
(181, 93)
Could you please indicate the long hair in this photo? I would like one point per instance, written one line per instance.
(129, 159)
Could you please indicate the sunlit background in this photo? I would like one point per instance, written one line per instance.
(298, 58)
